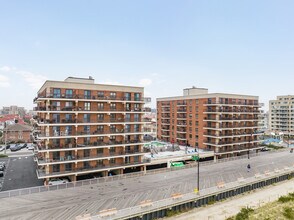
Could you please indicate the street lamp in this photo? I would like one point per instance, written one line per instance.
(197, 158)
(249, 145)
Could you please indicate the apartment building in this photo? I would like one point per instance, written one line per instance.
(224, 123)
(85, 129)
(281, 114)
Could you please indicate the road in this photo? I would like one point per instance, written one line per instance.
(69, 203)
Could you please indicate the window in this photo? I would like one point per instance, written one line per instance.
(68, 93)
(68, 130)
(56, 131)
(197, 101)
(127, 160)
(100, 94)
(137, 96)
(136, 117)
(128, 117)
(56, 93)
(113, 95)
(136, 159)
(128, 96)
(68, 118)
(68, 104)
(100, 128)
(112, 117)
(86, 118)
(99, 151)
(136, 128)
(197, 123)
(55, 106)
(86, 129)
(56, 118)
(68, 167)
(87, 153)
(137, 107)
(56, 168)
(86, 164)
(87, 106)
(87, 94)
(100, 106)
(87, 141)
(100, 117)
(112, 161)
(112, 106)
(112, 150)
(127, 128)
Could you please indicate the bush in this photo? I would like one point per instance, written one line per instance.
(3, 155)
(288, 198)
(171, 213)
(288, 213)
(244, 213)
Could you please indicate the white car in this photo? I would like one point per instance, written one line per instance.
(53, 182)
(30, 147)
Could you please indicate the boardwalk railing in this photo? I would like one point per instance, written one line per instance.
(150, 206)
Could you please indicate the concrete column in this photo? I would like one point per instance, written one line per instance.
(214, 158)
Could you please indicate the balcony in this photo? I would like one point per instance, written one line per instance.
(85, 110)
(72, 159)
(232, 104)
(86, 97)
(229, 142)
(94, 145)
(183, 103)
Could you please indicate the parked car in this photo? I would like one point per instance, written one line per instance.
(2, 168)
(1, 173)
(7, 146)
(57, 181)
(30, 147)
(2, 164)
(24, 145)
(15, 147)
(265, 149)
(2, 148)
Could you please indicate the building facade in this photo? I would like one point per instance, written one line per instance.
(224, 123)
(281, 115)
(17, 133)
(85, 129)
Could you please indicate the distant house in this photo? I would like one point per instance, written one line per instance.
(18, 132)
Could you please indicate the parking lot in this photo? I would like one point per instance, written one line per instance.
(20, 171)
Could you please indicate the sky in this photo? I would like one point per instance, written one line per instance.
(229, 46)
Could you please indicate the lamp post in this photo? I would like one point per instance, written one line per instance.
(249, 145)
(197, 158)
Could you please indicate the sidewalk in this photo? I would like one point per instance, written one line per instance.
(232, 206)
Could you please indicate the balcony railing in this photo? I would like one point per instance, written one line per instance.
(232, 103)
(80, 96)
(72, 158)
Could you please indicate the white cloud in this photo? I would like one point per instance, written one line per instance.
(34, 80)
(5, 68)
(145, 82)
(4, 81)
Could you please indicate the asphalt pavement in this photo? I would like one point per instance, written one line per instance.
(20, 171)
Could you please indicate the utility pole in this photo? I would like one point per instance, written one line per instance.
(5, 138)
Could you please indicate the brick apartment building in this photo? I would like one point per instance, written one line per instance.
(224, 123)
(17, 133)
(84, 129)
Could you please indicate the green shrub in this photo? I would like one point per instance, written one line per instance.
(3, 155)
(244, 213)
(288, 213)
(171, 213)
(288, 198)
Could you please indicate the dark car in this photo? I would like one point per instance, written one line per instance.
(265, 149)
(2, 168)
(1, 173)
(24, 145)
(7, 146)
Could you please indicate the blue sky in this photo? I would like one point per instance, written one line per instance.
(242, 47)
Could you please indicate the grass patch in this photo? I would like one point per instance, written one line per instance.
(283, 208)
(3, 155)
